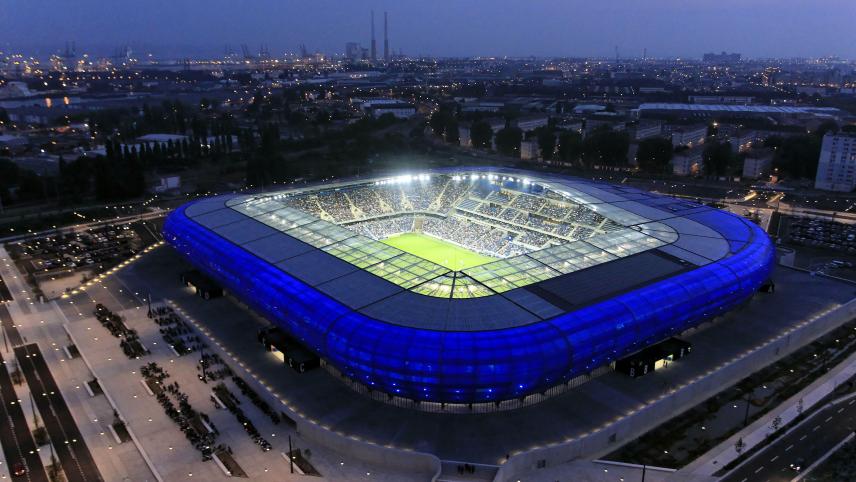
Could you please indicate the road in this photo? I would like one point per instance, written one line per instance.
(5, 294)
(15, 436)
(74, 456)
(816, 436)
(83, 226)
(10, 333)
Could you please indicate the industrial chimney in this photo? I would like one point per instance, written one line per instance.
(385, 39)
(374, 44)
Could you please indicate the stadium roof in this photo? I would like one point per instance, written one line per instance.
(389, 320)
(400, 288)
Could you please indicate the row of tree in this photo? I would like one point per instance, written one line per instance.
(171, 152)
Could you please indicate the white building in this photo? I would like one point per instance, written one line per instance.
(573, 125)
(482, 106)
(757, 164)
(530, 123)
(743, 141)
(836, 168)
(529, 150)
(722, 99)
(689, 136)
(646, 130)
(581, 109)
(400, 110)
(465, 139)
(687, 162)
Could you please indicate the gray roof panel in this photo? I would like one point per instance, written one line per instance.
(315, 267)
(359, 288)
(277, 247)
(244, 231)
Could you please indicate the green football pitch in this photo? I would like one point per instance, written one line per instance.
(437, 251)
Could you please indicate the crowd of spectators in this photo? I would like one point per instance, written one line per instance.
(383, 228)
(513, 222)
(490, 209)
(438, 194)
(367, 201)
(534, 239)
(555, 211)
(306, 203)
(529, 203)
(586, 216)
(476, 236)
(337, 205)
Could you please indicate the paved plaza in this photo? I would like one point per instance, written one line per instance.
(486, 438)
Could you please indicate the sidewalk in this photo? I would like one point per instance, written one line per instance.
(39, 323)
(757, 432)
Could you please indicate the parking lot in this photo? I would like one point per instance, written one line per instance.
(821, 233)
(60, 262)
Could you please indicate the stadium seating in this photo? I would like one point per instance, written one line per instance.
(483, 216)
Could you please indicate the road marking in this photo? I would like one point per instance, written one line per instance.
(759, 469)
(815, 428)
(774, 458)
(789, 447)
(744, 479)
(851, 401)
(803, 437)
(840, 410)
(828, 419)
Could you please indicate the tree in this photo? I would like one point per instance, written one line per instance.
(108, 146)
(605, 147)
(63, 167)
(654, 155)
(508, 141)
(570, 146)
(776, 423)
(481, 134)
(546, 142)
(452, 134)
(797, 156)
(438, 121)
(826, 127)
(717, 158)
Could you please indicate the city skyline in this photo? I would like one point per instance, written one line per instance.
(545, 28)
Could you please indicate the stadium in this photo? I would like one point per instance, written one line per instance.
(473, 285)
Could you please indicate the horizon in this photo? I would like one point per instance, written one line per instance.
(666, 29)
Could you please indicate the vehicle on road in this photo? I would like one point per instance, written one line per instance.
(797, 465)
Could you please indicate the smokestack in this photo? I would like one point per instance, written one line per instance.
(385, 39)
(374, 44)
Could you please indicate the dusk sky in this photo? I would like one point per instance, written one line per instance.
(667, 28)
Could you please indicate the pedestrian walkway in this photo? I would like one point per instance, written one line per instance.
(758, 431)
(39, 323)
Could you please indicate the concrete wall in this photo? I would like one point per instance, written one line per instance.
(680, 400)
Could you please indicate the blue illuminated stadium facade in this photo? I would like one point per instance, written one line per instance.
(668, 266)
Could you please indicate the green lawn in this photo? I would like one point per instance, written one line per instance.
(437, 251)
